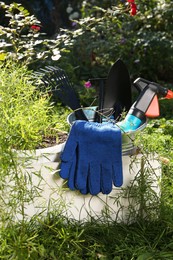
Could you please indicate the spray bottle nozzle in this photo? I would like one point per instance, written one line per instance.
(146, 104)
(147, 101)
(169, 94)
(142, 84)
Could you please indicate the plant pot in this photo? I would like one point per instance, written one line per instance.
(121, 205)
(41, 155)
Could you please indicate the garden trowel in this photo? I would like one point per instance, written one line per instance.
(116, 93)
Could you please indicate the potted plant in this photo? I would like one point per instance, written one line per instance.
(28, 118)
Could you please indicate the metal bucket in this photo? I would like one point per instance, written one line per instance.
(128, 147)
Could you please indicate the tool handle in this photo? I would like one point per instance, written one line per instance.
(80, 115)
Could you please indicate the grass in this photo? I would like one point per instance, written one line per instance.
(58, 238)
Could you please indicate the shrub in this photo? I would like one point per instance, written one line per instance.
(21, 40)
(24, 112)
(143, 42)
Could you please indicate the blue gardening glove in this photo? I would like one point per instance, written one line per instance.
(95, 162)
(99, 159)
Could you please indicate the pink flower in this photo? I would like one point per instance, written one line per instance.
(87, 84)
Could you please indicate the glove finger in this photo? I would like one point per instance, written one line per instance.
(81, 175)
(65, 169)
(72, 172)
(106, 179)
(68, 152)
(70, 145)
(84, 191)
(117, 175)
(94, 178)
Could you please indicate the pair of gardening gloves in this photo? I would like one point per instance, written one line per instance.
(92, 158)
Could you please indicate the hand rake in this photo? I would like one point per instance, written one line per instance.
(61, 88)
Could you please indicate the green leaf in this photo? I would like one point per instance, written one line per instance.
(145, 256)
(3, 56)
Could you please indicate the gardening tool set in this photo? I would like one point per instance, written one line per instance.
(92, 158)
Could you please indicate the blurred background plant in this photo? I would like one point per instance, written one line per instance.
(102, 33)
(20, 37)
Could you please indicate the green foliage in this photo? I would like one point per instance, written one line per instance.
(57, 238)
(103, 34)
(59, 116)
(157, 137)
(143, 42)
(43, 239)
(153, 35)
(24, 112)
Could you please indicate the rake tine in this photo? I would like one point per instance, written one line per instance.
(51, 68)
(59, 78)
(50, 77)
(63, 77)
(45, 81)
(65, 84)
(37, 73)
(50, 82)
(45, 70)
(67, 79)
(54, 69)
